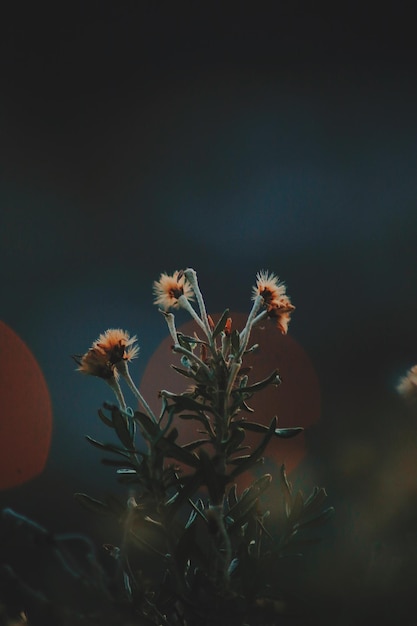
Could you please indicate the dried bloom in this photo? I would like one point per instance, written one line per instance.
(117, 345)
(269, 288)
(95, 363)
(111, 348)
(281, 312)
(407, 387)
(275, 299)
(169, 288)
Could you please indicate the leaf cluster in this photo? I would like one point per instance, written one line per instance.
(209, 552)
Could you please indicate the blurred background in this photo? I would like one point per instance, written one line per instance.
(141, 137)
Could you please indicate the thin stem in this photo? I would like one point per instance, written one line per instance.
(191, 276)
(170, 320)
(184, 303)
(245, 334)
(234, 369)
(114, 385)
(124, 371)
(260, 317)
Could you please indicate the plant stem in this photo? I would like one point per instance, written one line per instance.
(124, 371)
(114, 385)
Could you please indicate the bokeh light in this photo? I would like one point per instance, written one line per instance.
(26, 422)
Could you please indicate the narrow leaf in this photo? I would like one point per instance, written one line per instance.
(121, 426)
(235, 341)
(183, 372)
(318, 520)
(287, 433)
(195, 444)
(239, 511)
(286, 488)
(257, 453)
(221, 323)
(105, 419)
(273, 378)
(296, 508)
(91, 504)
(109, 447)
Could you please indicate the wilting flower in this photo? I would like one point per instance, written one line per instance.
(169, 289)
(281, 312)
(95, 363)
(407, 387)
(275, 299)
(117, 345)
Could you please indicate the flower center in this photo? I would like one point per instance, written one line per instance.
(267, 295)
(176, 292)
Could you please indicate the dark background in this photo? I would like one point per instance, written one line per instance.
(140, 137)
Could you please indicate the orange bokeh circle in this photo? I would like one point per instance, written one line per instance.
(296, 402)
(26, 412)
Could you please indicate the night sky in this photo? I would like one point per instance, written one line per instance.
(141, 137)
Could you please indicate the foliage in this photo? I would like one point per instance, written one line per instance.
(209, 555)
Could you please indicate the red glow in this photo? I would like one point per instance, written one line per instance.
(26, 413)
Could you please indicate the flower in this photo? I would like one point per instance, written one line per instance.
(275, 299)
(111, 348)
(95, 363)
(281, 312)
(269, 288)
(169, 289)
(116, 345)
(407, 387)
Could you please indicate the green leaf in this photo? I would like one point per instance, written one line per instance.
(109, 447)
(184, 343)
(183, 372)
(232, 496)
(235, 341)
(151, 430)
(174, 451)
(246, 408)
(195, 444)
(221, 323)
(253, 426)
(239, 511)
(192, 341)
(128, 477)
(121, 425)
(273, 378)
(185, 403)
(105, 419)
(191, 484)
(164, 405)
(287, 433)
(286, 489)
(198, 509)
(237, 436)
(257, 453)
(297, 508)
(283, 433)
(318, 520)
(91, 504)
(315, 500)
